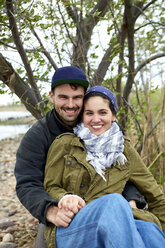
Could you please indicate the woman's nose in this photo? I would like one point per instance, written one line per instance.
(96, 118)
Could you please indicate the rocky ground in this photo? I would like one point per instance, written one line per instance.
(17, 227)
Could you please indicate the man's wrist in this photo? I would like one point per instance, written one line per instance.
(51, 213)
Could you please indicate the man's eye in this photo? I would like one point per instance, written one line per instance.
(63, 97)
(78, 97)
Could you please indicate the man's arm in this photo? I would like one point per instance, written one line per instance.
(29, 173)
(133, 196)
(59, 217)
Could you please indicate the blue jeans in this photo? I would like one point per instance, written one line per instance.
(108, 222)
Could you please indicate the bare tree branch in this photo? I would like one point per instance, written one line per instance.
(122, 37)
(7, 45)
(147, 136)
(20, 48)
(136, 120)
(147, 61)
(101, 7)
(103, 67)
(70, 11)
(147, 24)
(72, 41)
(163, 118)
(145, 7)
(157, 157)
(106, 61)
(54, 38)
(45, 52)
(86, 28)
(130, 35)
(141, 11)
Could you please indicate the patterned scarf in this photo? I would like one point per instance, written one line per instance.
(103, 150)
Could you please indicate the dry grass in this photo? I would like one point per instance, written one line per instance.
(13, 108)
(153, 147)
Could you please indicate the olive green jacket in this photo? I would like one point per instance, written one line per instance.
(67, 171)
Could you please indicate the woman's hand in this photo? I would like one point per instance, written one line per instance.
(71, 202)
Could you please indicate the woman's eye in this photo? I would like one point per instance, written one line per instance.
(88, 113)
(103, 113)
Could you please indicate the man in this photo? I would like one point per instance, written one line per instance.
(67, 90)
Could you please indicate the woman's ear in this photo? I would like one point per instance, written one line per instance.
(114, 118)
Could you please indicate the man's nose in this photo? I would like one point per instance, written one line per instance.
(70, 103)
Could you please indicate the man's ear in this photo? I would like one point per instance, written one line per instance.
(51, 96)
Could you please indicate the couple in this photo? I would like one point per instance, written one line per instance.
(67, 93)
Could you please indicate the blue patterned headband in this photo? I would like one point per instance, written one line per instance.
(105, 92)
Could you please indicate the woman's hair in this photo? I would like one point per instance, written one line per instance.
(95, 93)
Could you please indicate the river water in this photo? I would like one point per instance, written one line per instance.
(12, 130)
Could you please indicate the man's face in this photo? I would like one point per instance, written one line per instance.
(67, 102)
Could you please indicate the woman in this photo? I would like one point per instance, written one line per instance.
(94, 164)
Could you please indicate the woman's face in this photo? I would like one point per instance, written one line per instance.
(97, 115)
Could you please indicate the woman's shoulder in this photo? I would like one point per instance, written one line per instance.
(130, 151)
(66, 136)
(128, 147)
(66, 139)
(62, 142)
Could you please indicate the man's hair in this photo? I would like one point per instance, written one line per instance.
(73, 87)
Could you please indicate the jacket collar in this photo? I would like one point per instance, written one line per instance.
(55, 126)
(69, 128)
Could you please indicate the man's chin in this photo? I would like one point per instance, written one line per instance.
(70, 121)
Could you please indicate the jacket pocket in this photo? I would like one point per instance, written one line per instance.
(71, 174)
(117, 176)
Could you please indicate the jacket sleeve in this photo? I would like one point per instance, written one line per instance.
(130, 192)
(29, 172)
(143, 179)
(53, 182)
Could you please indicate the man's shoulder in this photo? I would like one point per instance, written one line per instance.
(37, 133)
(41, 124)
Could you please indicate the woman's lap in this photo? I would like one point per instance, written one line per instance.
(108, 222)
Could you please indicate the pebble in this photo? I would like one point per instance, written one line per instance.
(5, 223)
(17, 226)
(7, 245)
(8, 238)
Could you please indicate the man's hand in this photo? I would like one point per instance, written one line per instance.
(59, 217)
(71, 202)
(132, 203)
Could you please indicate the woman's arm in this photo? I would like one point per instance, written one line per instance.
(54, 169)
(143, 179)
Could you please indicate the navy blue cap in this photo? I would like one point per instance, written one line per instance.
(104, 91)
(69, 75)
